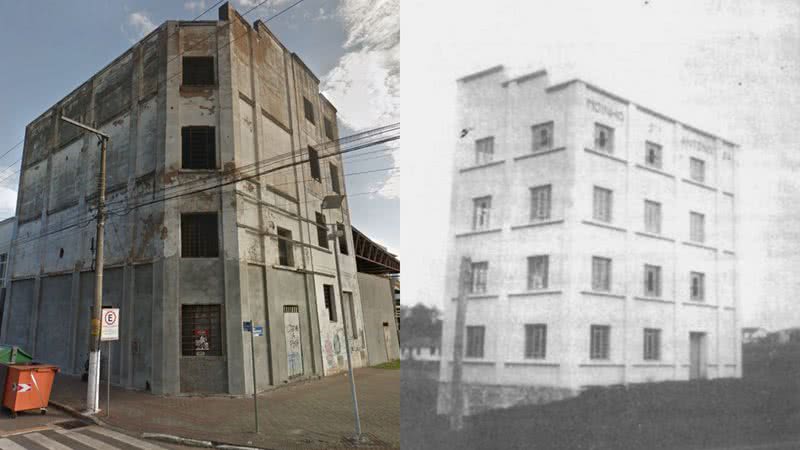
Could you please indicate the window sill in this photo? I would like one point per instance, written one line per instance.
(536, 153)
(700, 304)
(653, 299)
(694, 244)
(699, 184)
(476, 361)
(532, 362)
(604, 294)
(729, 194)
(202, 171)
(205, 357)
(606, 155)
(482, 166)
(729, 308)
(534, 293)
(321, 249)
(655, 170)
(287, 268)
(729, 252)
(654, 236)
(482, 296)
(478, 232)
(537, 224)
(200, 257)
(197, 88)
(653, 364)
(604, 225)
(600, 364)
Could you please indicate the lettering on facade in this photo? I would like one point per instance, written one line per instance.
(605, 110)
(695, 144)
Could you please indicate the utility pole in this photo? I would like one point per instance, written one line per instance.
(456, 394)
(93, 388)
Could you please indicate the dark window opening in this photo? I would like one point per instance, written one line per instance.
(322, 231)
(199, 147)
(342, 235)
(285, 247)
(313, 162)
(61, 253)
(199, 237)
(335, 187)
(308, 108)
(330, 301)
(201, 330)
(328, 128)
(198, 70)
(475, 340)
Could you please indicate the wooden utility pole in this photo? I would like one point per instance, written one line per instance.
(456, 391)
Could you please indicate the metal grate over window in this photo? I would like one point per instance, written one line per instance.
(198, 145)
(313, 162)
(201, 330)
(198, 70)
(322, 231)
(199, 238)
(330, 301)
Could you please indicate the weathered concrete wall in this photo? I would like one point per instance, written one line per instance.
(377, 304)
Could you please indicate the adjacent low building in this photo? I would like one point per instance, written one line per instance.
(601, 242)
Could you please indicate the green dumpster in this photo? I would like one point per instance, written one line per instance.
(11, 354)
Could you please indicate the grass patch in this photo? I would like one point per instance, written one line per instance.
(394, 364)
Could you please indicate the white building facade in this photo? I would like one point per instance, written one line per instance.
(601, 239)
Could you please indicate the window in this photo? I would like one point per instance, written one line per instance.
(652, 156)
(475, 341)
(697, 170)
(652, 344)
(308, 109)
(540, 203)
(198, 70)
(535, 341)
(3, 265)
(697, 227)
(484, 150)
(599, 341)
(479, 275)
(328, 128)
(199, 238)
(652, 217)
(342, 236)
(322, 231)
(698, 288)
(482, 208)
(351, 308)
(330, 301)
(201, 330)
(313, 163)
(542, 137)
(603, 199)
(601, 274)
(285, 247)
(537, 272)
(652, 281)
(335, 187)
(603, 138)
(198, 148)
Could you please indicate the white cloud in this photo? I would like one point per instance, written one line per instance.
(195, 5)
(365, 85)
(139, 25)
(8, 202)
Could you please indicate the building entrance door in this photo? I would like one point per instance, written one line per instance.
(294, 352)
(697, 355)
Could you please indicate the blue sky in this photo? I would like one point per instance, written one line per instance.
(50, 48)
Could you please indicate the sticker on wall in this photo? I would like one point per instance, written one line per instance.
(201, 344)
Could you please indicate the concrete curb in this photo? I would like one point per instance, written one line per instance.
(177, 440)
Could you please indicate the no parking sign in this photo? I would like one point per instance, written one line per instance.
(110, 324)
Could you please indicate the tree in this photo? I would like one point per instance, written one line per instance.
(420, 322)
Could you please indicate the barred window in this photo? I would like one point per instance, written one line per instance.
(652, 155)
(697, 227)
(198, 70)
(313, 162)
(198, 148)
(322, 230)
(285, 247)
(599, 345)
(601, 274)
(475, 338)
(484, 150)
(540, 203)
(479, 277)
(652, 281)
(342, 236)
(542, 137)
(199, 237)
(697, 288)
(481, 212)
(535, 341)
(603, 204)
(330, 301)
(335, 187)
(652, 344)
(603, 138)
(308, 109)
(201, 332)
(652, 217)
(537, 272)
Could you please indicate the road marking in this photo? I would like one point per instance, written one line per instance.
(8, 444)
(125, 438)
(46, 442)
(86, 440)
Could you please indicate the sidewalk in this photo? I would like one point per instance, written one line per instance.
(314, 414)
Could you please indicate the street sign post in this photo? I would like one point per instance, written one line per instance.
(109, 332)
(254, 330)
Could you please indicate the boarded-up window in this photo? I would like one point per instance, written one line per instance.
(201, 330)
(652, 344)
(542, 137)
(652, 280)
(313, 162)
(475, 336)
(342, 236)
(652, 155)
(537, 272)
(199, 147)
(481, 212)
(328, 128)
(198, 70)
(322, 231)
(697, 227)
(601, 274)
(697, 169)
(603, 138)
(535, 341)
(330, 301)
(199, 238)
(603, 204)
(285, 247)
(351, 308)
(698, 286)
(335, 186)
(484, 150)
(652, 217)
(599, 344)
(308, 109)
(479, 277)
(540, 203)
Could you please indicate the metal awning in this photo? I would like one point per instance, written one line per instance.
(373, 258)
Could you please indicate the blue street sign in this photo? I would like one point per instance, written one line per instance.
(258, 331)
(247, 326)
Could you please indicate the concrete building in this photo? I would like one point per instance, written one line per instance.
(193, 105)
(601, 238)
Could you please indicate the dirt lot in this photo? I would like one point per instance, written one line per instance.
(763, 407)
